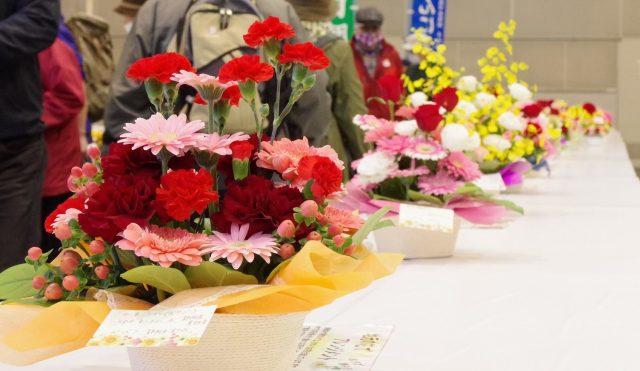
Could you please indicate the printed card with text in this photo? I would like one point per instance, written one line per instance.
(352, 348)
(153, 328)
(429, 218)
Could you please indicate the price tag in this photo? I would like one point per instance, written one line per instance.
(492, 183)
(429, 218)
(153, 328)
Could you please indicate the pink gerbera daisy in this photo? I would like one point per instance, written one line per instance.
(418, 171)
(210, 87)
(235, 247)
(284, 156)
(461, 167)
(349, 221)
(426, 149)
(174, 134)
(367, 122)
(219, 144)
(440, 184)
(395, 145)
(386, 129)
(164, 246)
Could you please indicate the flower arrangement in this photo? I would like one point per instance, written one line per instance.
(177, 205)
(594, 120)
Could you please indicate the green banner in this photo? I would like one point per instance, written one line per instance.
(345, 20)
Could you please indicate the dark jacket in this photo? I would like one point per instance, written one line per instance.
(26, 28)
(153, 29)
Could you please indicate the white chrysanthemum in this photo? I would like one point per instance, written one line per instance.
(473, 142)
(467, 83)
(418, 99)
(455, 137)
(376, 167)
(497, 141)
(406, 128)
(466, 108)
(510, 121)
(484, 100)
(520, 92)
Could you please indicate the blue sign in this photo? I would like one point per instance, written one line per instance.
(430, 15)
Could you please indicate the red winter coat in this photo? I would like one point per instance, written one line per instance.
(63, 101)
(389, 64)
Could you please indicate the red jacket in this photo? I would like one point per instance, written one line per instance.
(63, 101)
(389, 64)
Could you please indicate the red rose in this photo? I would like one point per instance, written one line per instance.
(74, 202)
(232, 95)
(184, 192)
(241, 150)
(119, 202)
(589, 107)
(306, 54)
(257, 201)
(246, 68)
(122, 160)
(327, 177)
(270, 29)
(160, 66)
(391, 88)
(428, 117)
(532, 110)
(447, 98)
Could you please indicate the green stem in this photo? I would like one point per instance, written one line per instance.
(276, 113)
(392, 113)
(258, 120)
(213, 206)
(116, 260)
(211, 123)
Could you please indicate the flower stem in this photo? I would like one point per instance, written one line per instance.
(211, 126)
(213, 206)
(165, 156)
(258, 120)
(276, 111)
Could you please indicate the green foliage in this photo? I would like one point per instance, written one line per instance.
(209, 274)
(15, 282)
(418, 196)
(170, 280)
(373, 222)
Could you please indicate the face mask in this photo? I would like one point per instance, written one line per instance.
(128, 26)
(370, 41)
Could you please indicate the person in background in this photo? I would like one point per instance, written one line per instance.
(156, 24)
(344, 85)
(63, 114)
(374, 58)
(26, 28)
(129, 9)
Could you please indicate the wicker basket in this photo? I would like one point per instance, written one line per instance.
(230, 342)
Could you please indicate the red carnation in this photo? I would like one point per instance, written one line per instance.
(545, 103)
(74, 202)
(184, 192)
(270, 29)
(241, 150)
(589, 107)
(119, 202)
(245, 68)
(327, 177)
(232, 95)
(122, 160)
(391, 87)
(306, 54)
(198, 100)
(532, 110)
(160, 67)
(428, 117)
(447, 98)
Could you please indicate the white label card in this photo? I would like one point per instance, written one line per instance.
(492, 183)
(429, 218)
(153, 328)
(352, 348)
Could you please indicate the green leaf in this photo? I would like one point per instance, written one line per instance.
(170, 280)
(370, 225)
(393, 188)
(15, 282)
(418, 196)
(210, 274)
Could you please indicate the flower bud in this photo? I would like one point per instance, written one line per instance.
(89, 170)
(102, 272)
(264, 110)
(96, 247)
(63, 232)
(91, 188)
(309, 209)
(334, 230)
(34, 253)
(248, 90)
(286, 250)
(53, 292)
(287, 229)
(38, 282)
(350, 250)
(70, 283)
(338, 240)
(314, 236)
(71, 185)
(93, 151)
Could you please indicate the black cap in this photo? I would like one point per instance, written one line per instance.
(370, 15)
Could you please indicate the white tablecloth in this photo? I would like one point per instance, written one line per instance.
(559, 289)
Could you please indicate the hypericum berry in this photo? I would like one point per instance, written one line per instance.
(53, 292)
(69, 261)
(287, 229)
(334, 230)
(102, 271)
(286, 250)
(38, 282)
(314, 236)
(96, 247)
(70, 283)
(91, 188)
(309, 209)
(34, 253)
(350, 250)
(339, 239)
(93, 151)
(63, 232)
(76, 172)
(89, 170)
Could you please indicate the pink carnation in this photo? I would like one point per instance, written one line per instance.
(420, 170)
(348, 221)
(210, 87)
(440, 184)
(458, 165)
(174, 134)
(385, 130)
(164, 246)
(395, 145)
